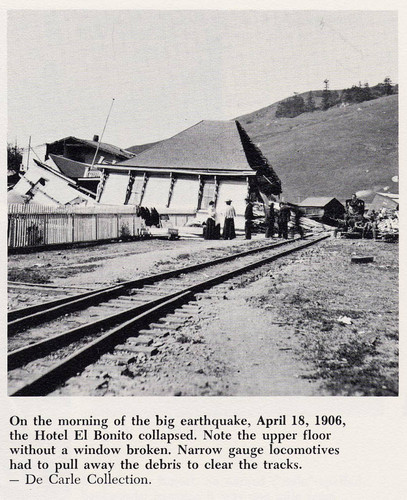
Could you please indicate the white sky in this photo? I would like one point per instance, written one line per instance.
(167, 70)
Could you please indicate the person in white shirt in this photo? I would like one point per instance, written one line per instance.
(229, 225)
(210, 229)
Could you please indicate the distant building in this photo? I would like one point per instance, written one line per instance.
(322, 208)
(387, 201)
(212, 160)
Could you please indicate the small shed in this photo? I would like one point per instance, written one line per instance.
(322, 208)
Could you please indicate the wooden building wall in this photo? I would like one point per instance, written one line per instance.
(181, 192)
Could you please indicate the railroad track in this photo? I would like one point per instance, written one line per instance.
(114, 318)
(17, 289)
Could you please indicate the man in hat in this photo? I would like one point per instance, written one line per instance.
(248, 217)
(270, 219)
(229, 226)
(283, 219)
(296, 219)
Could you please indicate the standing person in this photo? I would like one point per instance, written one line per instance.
(229, 226)
(270, 220)
(355, 209)
(283, 218)
(248, 216)
(297, 214)
(210, 229)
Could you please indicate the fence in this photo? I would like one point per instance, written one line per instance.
(31, 226)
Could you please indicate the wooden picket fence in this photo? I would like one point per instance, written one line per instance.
(31, 226)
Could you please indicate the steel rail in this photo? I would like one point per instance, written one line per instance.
(23, 355)
(75, 363)
(39, 313)
(72, 365)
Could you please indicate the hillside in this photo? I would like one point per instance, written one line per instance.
(334, 152)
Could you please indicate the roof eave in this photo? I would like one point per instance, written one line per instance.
(126, 168)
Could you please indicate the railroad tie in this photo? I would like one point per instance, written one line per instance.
(140, 340)
(117, 359)
(133, 346)
(174, 321)
(208, 296)
(164, 326)
(148, 350)
(155, 332)
(123, 302)
(191, 307)
(180, 315)
(111, 305)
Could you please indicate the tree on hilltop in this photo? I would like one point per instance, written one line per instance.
(357, 93)
(388, 88)
(310, 103)
(326, 96)
(291, 107)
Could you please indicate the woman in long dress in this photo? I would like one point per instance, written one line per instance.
(210, 229)
(229, 226)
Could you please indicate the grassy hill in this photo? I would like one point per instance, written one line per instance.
(330, 153)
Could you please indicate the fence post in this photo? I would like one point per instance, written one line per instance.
(45, 229)
(73, 227)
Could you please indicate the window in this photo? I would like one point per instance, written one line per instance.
(208, 193)
(136, 190)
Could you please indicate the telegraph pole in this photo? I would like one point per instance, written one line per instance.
(101, 137)
(28, 153)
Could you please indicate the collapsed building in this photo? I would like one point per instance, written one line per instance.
(75, 157)
(179, 176)
(44, 185)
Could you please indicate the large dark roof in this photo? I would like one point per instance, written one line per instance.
(208, 145)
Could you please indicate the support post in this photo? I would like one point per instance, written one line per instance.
(172, 183)
(130, 183)
(143, 187)
(216, 193)
(200, 191)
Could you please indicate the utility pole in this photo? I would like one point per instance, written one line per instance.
(101, 137)
(28, 153)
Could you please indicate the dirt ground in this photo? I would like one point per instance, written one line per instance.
(97, 266)
(109, 263)
(311, 324)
